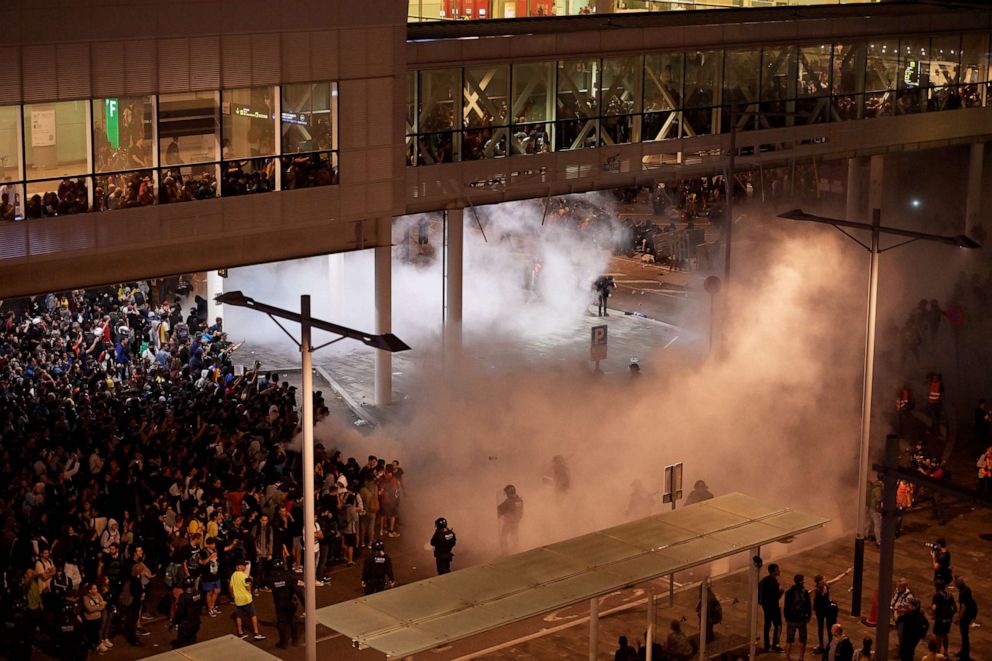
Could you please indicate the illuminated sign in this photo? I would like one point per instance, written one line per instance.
(294, 118)
(245, 111)
(112, 111)
(911, 76)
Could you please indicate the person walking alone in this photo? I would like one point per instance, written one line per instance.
(769, 595)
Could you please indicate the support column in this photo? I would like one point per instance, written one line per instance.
(383, 314)
(215, 286)
(593, 627)
(704, 607)
(752, 607)
(604, 6)
(973, 200)
(855, 175)
(455, 277)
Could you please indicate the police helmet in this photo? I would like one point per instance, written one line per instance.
(278, 564)
(377, 545)
(510, 490)
(441, 522)
(189, 582)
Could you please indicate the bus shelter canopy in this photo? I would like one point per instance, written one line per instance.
(420, 616)
(224, 648)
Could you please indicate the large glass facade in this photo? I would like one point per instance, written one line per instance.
(590, 102)
(111, 153)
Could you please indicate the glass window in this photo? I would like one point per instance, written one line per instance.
(943, 64)
(439, 99)
(577, 89)
(702, 78)
(533, 86)
(486, 96)
(55, 142)
(777, 65)
(974, 58)
(122, 133)
(741, 71)
(309, 120)
(10, 144)
(813, 72)
(248, 122)
(848, 68)
(411, 103)
(621, 93)
(188, 128)
(662, 82)
(881, 73)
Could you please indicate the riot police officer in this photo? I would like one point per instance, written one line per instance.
(509, 513)
(286, 595)
(377, 573)
(70, 637)
(187, 617)
(443, 542)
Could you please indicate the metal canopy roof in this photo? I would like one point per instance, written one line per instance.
(436, 611)
(224, 648)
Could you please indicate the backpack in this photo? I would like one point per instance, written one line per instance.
(795, 605)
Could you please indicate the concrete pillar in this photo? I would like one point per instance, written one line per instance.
(454, 285)
(876, 170)
(215, 286)
(384, 314)
(973, 200)
(855, 175)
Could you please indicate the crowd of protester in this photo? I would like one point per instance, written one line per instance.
(137, 452)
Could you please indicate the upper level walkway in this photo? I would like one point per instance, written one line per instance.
(513, 109)
(162, 152)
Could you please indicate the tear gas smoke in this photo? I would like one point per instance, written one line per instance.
(774, 415)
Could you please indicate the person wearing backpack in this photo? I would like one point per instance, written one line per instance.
(798, 612)
(943, 607)
(913, 627)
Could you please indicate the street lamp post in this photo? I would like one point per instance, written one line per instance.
(874, 250)
(385, 342)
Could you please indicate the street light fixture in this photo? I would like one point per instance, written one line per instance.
(876, 229)
(386, 342)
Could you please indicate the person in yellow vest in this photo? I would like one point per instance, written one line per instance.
(904, 500)
(244, 608)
